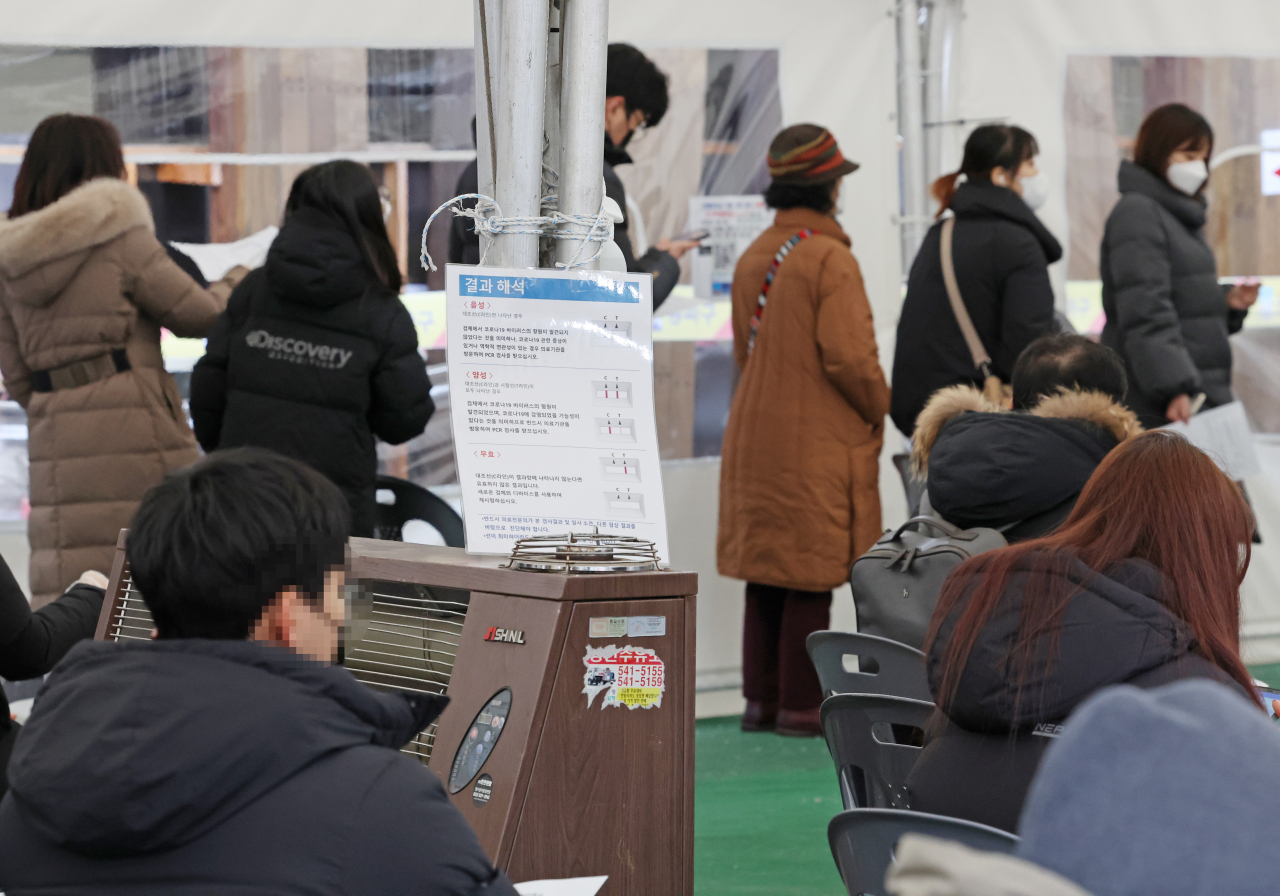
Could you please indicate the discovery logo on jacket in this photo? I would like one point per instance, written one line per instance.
(299, 351)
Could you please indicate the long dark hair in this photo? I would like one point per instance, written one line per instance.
(1166, 130)
(345, 191)
(989, 147)
(1155, 497)
(64, 152)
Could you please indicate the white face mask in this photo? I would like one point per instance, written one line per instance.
(1034, 191)
(1188, 176)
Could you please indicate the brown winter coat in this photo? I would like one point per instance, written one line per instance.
(78, 279)
(799, 480)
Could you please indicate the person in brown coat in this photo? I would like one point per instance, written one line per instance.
(85, 287)
(799, 478)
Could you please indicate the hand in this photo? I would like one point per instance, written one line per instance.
(675, 248)
(1179, 410)
(1242, 296)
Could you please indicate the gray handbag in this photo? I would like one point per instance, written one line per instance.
(896, 584)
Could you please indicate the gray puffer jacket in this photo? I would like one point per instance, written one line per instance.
(1167, 316)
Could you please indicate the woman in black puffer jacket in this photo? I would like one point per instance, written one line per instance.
(1139, 586)
(315, 354)
(1001, 254)
(1167, 316)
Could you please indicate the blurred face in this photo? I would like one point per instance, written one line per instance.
(1000, 176)
(620, 124)
(307, 628)
(1189, 153)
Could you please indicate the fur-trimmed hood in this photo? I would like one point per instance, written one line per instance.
(1069, 404)
(41, 251)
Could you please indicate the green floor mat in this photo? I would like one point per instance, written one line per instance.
(762, 807)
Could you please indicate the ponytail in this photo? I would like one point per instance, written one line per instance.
(944, 190)
(989, 147)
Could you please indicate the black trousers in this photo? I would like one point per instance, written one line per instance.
(775, 666)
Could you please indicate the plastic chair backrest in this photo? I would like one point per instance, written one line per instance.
(863, 842)
(413, 502)
(874, 741)
(884, 666)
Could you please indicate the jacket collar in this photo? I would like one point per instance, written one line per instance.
(808, 219)
(1190, 210)
(90, 215)
(981, 199)
(1069, 404)
(615, 155)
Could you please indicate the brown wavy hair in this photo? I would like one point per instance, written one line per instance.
(1156, 498)
(64, 152)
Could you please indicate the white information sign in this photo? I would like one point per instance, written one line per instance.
(734, 222)
(551, 392)
(1270, 158)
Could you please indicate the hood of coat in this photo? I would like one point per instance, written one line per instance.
(1190, 210)
(981, 199)
(133, 748)
(1115, 629)
(41, 251)
(1108, 808)
(929, 866)
(315, 261)
(1092, 408)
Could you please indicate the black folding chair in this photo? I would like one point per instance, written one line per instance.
(874, 741)
(884, 666)
(413, 502)
(863, 842)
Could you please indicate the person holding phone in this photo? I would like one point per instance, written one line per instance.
(1167, 315)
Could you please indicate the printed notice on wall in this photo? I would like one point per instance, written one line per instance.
(551, 394)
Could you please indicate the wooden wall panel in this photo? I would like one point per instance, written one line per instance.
(1093, 156)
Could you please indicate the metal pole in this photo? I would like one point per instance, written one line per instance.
(915, 207)
(486, 93)
(585, 37)
(518, 180)
(940, 88)
(551, 124)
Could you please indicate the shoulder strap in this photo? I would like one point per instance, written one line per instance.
(981, 359)
(768, 281)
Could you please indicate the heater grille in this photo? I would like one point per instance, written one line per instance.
(400, 637)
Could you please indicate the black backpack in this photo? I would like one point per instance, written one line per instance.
(896, 584)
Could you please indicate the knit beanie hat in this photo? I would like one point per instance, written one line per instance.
(806, 154)
(1167, 792)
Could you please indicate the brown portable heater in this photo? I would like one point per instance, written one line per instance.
(568, 741)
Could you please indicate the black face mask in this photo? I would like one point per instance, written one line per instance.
(626, 140)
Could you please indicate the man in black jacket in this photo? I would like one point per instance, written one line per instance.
(31, 643)
(229, 755)
(635, 99)
(1022, 471)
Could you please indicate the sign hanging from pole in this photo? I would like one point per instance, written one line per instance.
(551, 396)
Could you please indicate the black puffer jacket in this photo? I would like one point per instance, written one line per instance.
(313, 358)
(664, 268)
(1167, 315)
(31, 643)
(193, 766)
(1001, 253)
(1020, 472)
(1115, 631)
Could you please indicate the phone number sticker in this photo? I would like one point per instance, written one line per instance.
(633, 677)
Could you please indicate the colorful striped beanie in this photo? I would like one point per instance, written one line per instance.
(807, 154)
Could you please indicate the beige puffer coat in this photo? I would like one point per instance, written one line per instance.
(78, 279)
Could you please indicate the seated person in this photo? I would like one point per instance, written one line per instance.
(1022, 471)
(1169, 792)
(31, 643)
(1140, 585)
(230, 754)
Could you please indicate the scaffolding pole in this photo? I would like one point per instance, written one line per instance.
(519, 126)
(585, 38)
